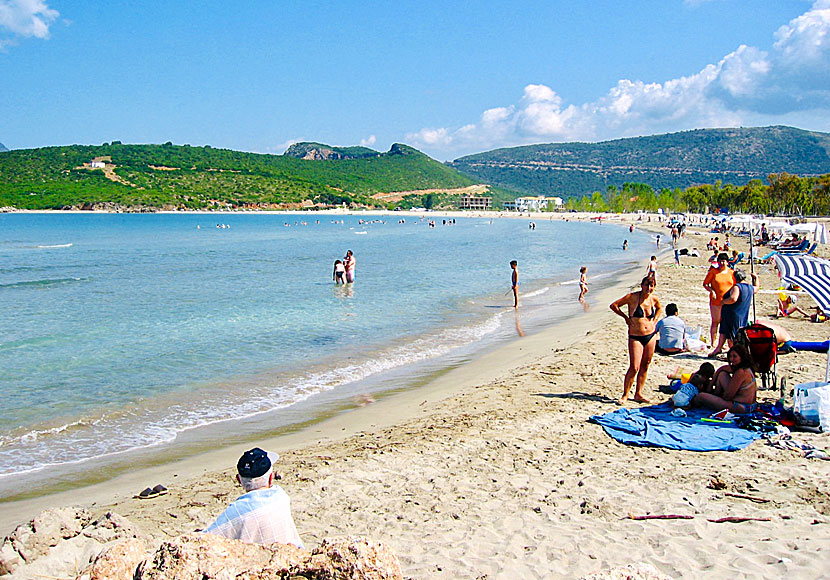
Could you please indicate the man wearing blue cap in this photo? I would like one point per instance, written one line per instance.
(263, 514)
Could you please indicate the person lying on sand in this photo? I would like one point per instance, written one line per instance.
(698, 382)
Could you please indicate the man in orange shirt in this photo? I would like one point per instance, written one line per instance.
(719, 279)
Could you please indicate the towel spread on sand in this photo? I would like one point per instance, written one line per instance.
(655, 427)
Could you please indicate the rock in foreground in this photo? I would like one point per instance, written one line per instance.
(210, 557)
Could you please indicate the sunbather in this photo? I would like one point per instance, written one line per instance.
(787, 306)
(733, 387)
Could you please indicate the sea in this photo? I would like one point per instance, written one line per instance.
(129, 339)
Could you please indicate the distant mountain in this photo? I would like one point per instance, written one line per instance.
(319, 151)
(672, 160)
(3, 148)
(146, 177)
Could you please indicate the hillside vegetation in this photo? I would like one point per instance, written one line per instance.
(184, 177)
(675, 160)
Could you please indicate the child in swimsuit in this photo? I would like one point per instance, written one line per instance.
(698, 382)
(514, 279)
(583, 283)
(339, 273)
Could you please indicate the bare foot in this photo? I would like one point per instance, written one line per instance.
(641, 399)
(622, 401)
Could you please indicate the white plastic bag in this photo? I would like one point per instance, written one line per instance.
(812, 404)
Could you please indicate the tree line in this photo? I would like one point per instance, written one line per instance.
(784, 194)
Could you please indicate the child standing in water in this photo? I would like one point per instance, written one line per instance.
(339, 273)
(515, 280)
(583, 283)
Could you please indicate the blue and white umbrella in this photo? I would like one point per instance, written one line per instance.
(809, 272)
(813, 275)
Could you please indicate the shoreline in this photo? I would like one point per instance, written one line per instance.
(390, 409)
(88, 471)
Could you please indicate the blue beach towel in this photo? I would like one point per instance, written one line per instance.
(655, 427)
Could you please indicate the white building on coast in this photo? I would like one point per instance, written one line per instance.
(538, 203)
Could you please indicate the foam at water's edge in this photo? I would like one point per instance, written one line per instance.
(119, 433)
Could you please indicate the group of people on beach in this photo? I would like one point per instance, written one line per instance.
(732, 386)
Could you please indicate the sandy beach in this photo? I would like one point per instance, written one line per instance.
(492, 470)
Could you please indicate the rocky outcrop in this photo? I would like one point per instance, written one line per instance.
(69, 543)
(209, 557)
(321, 152)
(61, 542)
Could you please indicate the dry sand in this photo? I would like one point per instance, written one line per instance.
(493, 471)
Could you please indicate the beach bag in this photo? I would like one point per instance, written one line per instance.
(812, 404)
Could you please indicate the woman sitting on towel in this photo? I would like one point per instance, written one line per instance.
(643, 311)
(733, 387)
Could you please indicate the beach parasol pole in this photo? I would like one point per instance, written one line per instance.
(752, 271)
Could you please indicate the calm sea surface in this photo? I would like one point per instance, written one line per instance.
(122, 333)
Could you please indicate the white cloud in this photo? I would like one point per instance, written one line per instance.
(368, 141)
(25, 18)
(748, 86)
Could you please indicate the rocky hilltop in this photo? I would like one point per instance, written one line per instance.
(320, 151)
(671, 160)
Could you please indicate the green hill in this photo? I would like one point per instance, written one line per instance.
(184, 177)
(672, 160)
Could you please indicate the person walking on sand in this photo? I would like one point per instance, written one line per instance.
(583, 283)
(652, 267)
(349, 263)
(643, 312)
(719, 279)
(515, 281)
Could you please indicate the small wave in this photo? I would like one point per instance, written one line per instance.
(49, 247)
(42, 283)
(359, 233)
(538, 292)
(129, 430)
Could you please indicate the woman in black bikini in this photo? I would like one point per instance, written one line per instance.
(643, 312)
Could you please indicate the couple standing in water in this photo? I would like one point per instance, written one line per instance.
(344, 270)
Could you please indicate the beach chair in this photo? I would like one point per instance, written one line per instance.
(763, 348)
(802, 248)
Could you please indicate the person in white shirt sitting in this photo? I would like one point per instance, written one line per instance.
(672, 332)
(263, 514)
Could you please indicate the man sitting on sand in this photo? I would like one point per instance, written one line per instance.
(672, 332)
(263, 514)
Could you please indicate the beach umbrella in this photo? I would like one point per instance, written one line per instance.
(813, 276)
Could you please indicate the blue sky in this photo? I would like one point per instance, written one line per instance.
(450, 78)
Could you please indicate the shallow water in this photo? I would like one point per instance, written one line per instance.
(125, 331)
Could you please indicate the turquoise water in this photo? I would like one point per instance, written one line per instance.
(123, 331)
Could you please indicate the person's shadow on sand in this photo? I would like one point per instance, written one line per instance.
(579, 396)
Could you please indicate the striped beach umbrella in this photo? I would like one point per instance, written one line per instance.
(809, 272)
(813, 275)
